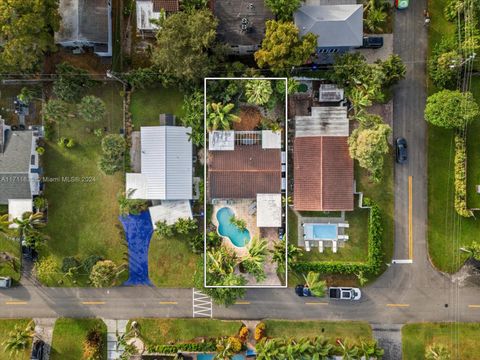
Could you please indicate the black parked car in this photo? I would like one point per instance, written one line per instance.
(302, 290)
(401, 150)
(372, 42)
(38, 349)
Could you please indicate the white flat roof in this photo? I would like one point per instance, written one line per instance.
(269, 210)
(170, 211)
(271, 139)
(16, 209)
(324, 121)
(166, 163)
(144, 14)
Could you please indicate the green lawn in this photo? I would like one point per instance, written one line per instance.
(83, 215)
(164, 331)
(320, 213)
(460, 338)
(443, 224)
(147, 104)
(68, 337)
(11, 247)
(352, 331)
(171, 263)
(5, 327)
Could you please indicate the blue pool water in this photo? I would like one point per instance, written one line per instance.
(227, 229)
(325, 231)
(212, 356)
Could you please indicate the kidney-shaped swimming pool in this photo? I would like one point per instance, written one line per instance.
(238, 237)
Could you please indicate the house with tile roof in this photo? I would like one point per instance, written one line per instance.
(148, 10)
(323, 168)
(339, 27)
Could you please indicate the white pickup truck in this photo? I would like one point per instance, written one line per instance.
(5, 282)
(344, 293)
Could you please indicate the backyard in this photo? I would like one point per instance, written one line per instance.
(5, 327)
(444, 224)
(69, 335)
(461, 339)
(83, 212)
(351, 331)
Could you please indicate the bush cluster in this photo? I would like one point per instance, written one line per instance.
(260, 331)
(461, 177)
(207, 346)
(372, 266)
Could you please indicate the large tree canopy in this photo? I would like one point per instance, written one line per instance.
(451, 109)
(283, 48)
(284, 9)
(26, 30)
(183, 44)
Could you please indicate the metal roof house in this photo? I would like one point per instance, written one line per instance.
(153, 9)
(86, 23)
(19, 168)
(166, 165)
(339, 27)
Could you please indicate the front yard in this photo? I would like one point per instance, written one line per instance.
(5, 327)
(69, 335)
(83, 213)
(461, 339)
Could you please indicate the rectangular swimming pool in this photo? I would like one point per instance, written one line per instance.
(320, 231)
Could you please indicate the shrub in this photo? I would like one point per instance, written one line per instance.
(260, 331)
(40, 150)
(89, 262)
(93, 345)
(243, 334)
(45, 268)
(460, 175)
(70, 143)
(69, 263)
(207, 346)
(235, 344)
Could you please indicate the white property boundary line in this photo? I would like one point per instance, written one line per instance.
(205, 181)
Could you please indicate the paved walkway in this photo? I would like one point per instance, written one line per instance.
(114, 328)
(389, 338)
(44, 331)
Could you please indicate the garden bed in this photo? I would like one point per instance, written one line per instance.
(5, 327)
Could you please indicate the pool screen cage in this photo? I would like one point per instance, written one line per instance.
(248, 137)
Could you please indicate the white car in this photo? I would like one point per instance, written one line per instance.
(344, 293)
(5, 282)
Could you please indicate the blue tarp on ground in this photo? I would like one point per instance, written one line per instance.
(138, 230)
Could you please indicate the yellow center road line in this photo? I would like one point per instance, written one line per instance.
(168, 302)
(16, 302)
(93, 302)
(398, 305)
(316, 303)
(474, 306)
(242, 303)
(410, 218)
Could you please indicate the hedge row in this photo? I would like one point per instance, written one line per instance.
(461, 177)
(208, 346)
(374, 262)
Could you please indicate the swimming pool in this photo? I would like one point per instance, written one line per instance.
(238, 237)
(320, 231)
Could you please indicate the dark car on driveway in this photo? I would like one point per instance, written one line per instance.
(302, 290)
(372, 42)
(38, 350)
(401, 150)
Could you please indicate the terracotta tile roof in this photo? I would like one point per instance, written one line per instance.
(323, 174)
(244, 172)
(167, 5)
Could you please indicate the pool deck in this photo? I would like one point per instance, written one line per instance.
(320, 220)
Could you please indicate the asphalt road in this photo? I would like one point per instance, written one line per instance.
(404, 293)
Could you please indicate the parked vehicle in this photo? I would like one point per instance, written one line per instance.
(303, 290)
(5, 282)
(401, 4)
(372, 42)
(38, 350)
(344, 293)
(401, 150)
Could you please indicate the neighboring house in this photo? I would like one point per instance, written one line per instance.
(323, 168)
(247, 165)
(241, 24)
(86, 23)
(166, 172)
(153, 9)
(339, 27)
(19, 169)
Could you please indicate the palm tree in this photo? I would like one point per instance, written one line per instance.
(371, 350)
(360, 100)
(221, 261)
(9, 259)
(219, 116)
(375, 19)
(316, 285)
(270, 349)
(473, 249)
(224, 349)
(298, 349)
(322, 348)
(437, 352)
(257, 251)
(5, 225)
(362, 280)
(19, 338)
(258, 92)
(348, 352)
(29, 223)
